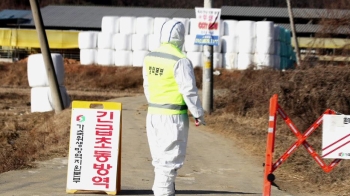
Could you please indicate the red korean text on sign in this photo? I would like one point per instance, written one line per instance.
(103, 145)
(101, 181)
(210, 26)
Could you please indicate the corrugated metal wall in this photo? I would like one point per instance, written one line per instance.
(28, 38)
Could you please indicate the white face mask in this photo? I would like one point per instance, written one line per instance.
(173, 32)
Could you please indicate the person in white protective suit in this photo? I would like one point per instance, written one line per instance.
(170, 89)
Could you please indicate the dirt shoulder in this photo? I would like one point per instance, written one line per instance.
(230, 172)
(241, 114)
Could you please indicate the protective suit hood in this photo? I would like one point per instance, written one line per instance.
(173, 32)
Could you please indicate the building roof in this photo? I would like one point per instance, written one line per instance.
(14, 14)
(276, 12)
(314, 28)
(14, 17)
(91, 16)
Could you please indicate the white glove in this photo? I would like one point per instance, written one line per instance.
(200, 120)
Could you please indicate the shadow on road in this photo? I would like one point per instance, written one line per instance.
(183, 192)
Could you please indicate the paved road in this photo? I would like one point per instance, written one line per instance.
(214, 165)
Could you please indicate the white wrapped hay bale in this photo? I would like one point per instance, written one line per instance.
(193, 26)
(185, 22)
(218, 47)
(158, 23)
(217, 60)
(139, 42)
(265, 29)
(221, 28)
(87, 39)
(105, 40)
(246, 44)
(190, 46)
(122, 41)
(41, 99)
(88, 56)
(230, 28)
(153, 42)
(138, 57)
(110, 24)
(229, 44)
(144, 25)
(265, 45)
(105, 57)
(127, 25)
(245, 60)
(37, 76)
(264, 60)
(196, 58)
(246, 28)
(123, 58)
(229, 60)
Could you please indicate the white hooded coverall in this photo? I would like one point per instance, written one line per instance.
(167, 134)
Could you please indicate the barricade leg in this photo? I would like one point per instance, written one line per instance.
(268, 176)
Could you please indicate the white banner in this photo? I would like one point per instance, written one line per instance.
(208, 20)
(93, 149)
(336, 136)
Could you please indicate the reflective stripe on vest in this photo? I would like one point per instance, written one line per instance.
(164, 55)
(168, 106)
(165, 97)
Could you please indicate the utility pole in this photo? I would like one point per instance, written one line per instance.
(50, 70)
(208, 83)
(291, 19)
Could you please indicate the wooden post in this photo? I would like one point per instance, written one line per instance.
(295, 39)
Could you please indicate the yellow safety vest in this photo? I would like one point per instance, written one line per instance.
(164, 96)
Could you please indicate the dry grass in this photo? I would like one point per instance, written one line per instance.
(26, 137)
(241, 112)
(103, 78)
(304, 95)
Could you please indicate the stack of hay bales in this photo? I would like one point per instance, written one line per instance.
(230, 44)
(126, 40)
(247, 40)
(88, 47)
(41, 98)
(105, 46)
(140, 39)
(122, 42)
(265, 44)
